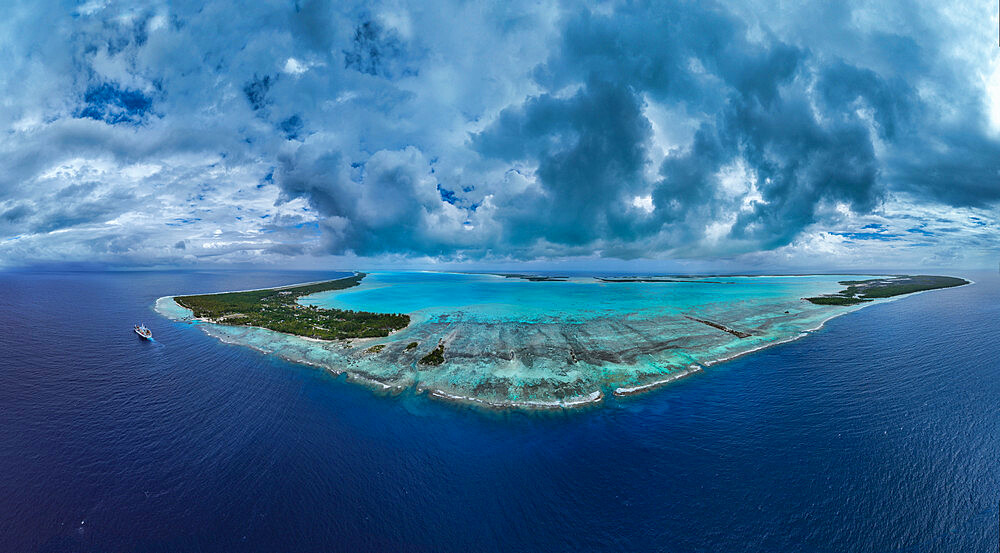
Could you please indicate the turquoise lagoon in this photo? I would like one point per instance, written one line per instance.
(511, 342)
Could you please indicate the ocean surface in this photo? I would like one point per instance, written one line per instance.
(880, 432)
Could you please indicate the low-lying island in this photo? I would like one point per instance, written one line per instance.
(859, 291)
(500, 342)
(278, 309)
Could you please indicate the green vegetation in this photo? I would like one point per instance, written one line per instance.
(376, 348)
(912, 284)
(278, 309)
(411, 345)
(858, 291)
(435, 357)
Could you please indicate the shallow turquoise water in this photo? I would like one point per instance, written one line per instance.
(491, 298)
(511, 342)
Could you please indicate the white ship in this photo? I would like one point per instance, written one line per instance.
(144, 332)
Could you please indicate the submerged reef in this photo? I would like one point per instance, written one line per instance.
(501, 342)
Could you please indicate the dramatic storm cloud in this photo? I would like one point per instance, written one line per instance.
(819, 134)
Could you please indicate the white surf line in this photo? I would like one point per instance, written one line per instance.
(624, 391)
(576, 401)
(627, 391)
(849, 310)
(354, 342)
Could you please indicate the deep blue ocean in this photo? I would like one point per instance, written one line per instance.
(879, 433)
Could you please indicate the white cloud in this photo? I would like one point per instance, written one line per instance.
(295, 67)
(645, 203)
(238, 128)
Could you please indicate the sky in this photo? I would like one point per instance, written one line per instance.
(757, 135)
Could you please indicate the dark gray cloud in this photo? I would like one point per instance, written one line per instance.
(376, 51)
(752, 99)
(590, 153)
(483, 131)
(957, 167)
(256, 90)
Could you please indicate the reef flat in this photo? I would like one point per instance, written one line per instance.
(501, 342)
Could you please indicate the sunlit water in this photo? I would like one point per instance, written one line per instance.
(511, 342)
(878, 433)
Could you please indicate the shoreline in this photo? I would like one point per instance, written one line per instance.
(799, 336)
(573, 402)
(280, 309)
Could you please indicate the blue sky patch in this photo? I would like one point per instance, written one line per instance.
(868, 236)
(109, 103)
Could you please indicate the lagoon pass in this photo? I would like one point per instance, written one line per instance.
(511, 342)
